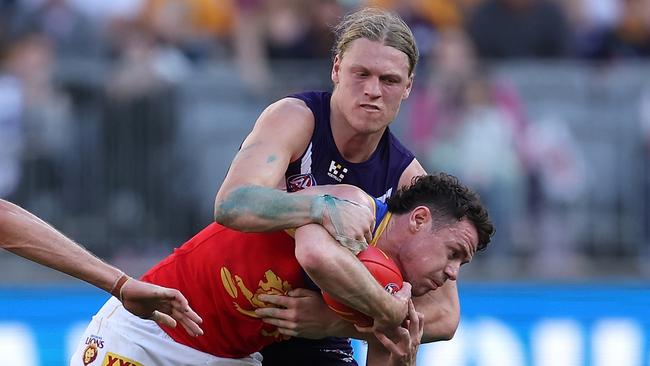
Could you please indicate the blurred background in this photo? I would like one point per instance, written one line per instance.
(118, 121)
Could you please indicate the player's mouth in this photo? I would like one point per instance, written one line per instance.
(370, 107)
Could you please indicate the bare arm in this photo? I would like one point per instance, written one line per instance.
(401, 348)
(441, 307)
(337, 271)
(26, 235)
(249, 200)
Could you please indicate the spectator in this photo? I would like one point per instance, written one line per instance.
(69, 30)
(11, 138)
(629, 36)
(558, 183)
(471, 126)
(504, 29)
(45, 123)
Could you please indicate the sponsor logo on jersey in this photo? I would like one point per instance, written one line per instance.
(391, 288)
(300, 181)
(111, 359)
(90, 354)
(337, 171)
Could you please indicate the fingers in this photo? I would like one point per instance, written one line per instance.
(163, 319)
(405, 292)
(416, 322)
(182, 312)
(366, 330)
(402, 334)
(302, 292)
(190, 326)
(278, 300)
(270, 313)
(353, 245)
(368, 236)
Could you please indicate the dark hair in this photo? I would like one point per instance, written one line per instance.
(447, 199)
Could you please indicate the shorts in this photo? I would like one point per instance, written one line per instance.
(116, 337)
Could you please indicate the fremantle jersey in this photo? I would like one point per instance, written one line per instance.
(322, 163)
(221, 271)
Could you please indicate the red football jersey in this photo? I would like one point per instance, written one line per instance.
(221, 271)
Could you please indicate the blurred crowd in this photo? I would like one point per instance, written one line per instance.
(173, 34)
(129, 56)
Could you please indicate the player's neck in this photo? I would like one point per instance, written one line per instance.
(354, 146)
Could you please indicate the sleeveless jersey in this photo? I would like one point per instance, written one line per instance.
(322, 163)
(220, 271)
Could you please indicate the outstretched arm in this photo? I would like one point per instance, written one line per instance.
(249, 198)
(30, 237)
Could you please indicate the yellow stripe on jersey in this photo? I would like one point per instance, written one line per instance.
(381, 228)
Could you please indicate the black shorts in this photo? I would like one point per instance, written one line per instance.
(311, 352)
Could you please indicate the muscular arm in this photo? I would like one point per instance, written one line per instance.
(249, 199)
(441, 308)
(337, 271)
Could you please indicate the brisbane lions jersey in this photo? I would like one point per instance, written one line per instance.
(221, 271)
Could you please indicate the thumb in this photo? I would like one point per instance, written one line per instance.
(405, 292)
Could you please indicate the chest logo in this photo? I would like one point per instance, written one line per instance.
(272, 285)
(337, 171)
(300, 181)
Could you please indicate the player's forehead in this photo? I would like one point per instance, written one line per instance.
(461, 234)
(368, 53)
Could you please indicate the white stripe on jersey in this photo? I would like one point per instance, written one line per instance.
(305, 163)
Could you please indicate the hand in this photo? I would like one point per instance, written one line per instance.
(163, 305)
(404, 344)
(349, 223)
(301, 314)
(401, 307)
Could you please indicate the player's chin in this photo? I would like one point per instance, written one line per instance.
(420, 290)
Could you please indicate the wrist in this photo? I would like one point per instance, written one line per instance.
(118, 285)
(316, 209)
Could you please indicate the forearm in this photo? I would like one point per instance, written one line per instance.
(377, 354)
(441, 311)
(257, 208)
(30, 237)
(338, 272)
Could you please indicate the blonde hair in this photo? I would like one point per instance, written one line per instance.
(376, 25)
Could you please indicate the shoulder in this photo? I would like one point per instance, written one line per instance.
(286, 119)
(412, 170)
(290, 107)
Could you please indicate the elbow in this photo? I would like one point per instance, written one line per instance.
(221, 216)
(311, 260)
(227, 213)
(441, 330)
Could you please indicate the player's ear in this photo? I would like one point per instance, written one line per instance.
(336, 67)
(409, 85)
(419, 217)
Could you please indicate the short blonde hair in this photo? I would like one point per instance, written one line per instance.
(376, 25)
